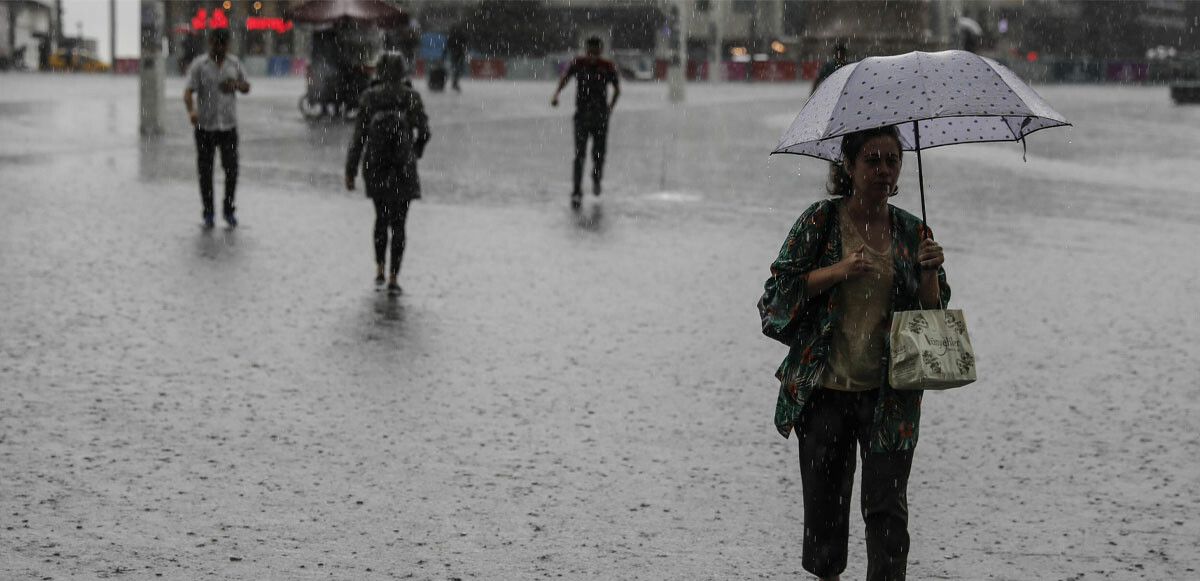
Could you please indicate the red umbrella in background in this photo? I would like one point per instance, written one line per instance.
(358, 12)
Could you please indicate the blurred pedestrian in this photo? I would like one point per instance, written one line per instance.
(215, 79)
(828, 67)
(389, 137)
(456, 50)
(406, 39)
(847, 265)
(592, 111)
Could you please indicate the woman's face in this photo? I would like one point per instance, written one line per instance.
(877, 168)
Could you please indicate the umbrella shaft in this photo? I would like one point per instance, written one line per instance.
(920, 172)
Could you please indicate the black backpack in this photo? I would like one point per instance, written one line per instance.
(389, 146)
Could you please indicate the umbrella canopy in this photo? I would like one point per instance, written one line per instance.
(936, 99)
(360, 12)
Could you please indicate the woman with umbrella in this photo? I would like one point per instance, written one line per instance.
(846, 266)
(850, 262)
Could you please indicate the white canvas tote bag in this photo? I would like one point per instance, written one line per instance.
(930, 350)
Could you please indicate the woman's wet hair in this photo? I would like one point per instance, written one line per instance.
(840, 184)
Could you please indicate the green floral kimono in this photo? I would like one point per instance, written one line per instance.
(805, 323)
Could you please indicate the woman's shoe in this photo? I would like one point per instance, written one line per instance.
(393, 289)
(379, 280)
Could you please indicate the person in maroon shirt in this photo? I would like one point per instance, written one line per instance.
(592, 109)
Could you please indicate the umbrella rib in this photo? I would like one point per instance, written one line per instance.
(830, 130)
(927, 102)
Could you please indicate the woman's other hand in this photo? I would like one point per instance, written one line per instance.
(929, 254)
(856, 264)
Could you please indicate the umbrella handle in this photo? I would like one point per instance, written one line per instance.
(920, 172)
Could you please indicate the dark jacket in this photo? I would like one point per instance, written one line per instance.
(456, 43)
(398, 179)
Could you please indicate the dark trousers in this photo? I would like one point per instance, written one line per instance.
(832, 423)
(457, 66)
(390, 215)
(597, 129)
(207, 143)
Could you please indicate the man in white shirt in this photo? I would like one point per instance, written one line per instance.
(215, 79)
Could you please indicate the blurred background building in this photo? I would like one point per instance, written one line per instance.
(32, 37)
(752, 40)
(27, 34)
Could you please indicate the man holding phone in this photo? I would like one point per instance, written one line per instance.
(215, 79)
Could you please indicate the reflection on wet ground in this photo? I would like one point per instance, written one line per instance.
(389, 308)
(590, 217)
(216, 243)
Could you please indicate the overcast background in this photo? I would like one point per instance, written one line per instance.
(93, 15)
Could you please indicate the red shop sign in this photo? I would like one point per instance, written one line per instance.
(268, 23)
(218, 19)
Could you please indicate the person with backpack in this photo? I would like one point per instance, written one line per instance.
(389, 137)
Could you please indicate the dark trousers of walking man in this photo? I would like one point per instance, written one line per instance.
(457, 65)
(597, 129)
(207, 144)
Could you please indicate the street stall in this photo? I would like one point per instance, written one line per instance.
(346, 37)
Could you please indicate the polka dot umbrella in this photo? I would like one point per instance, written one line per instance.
(935, 99)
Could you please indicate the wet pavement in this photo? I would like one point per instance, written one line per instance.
(558, 394)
